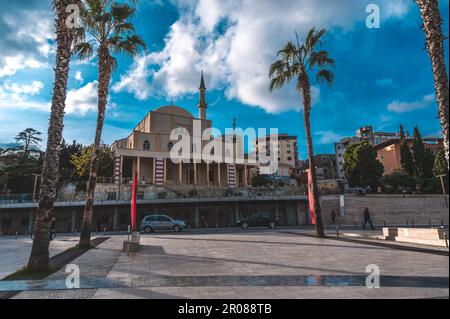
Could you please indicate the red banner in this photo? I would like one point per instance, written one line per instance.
(311, 199)
(133, 203)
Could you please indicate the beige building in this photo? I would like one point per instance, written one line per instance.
(287, 151)
(146, 151)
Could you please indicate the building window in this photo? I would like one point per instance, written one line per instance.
(289, 158)
(146, 146)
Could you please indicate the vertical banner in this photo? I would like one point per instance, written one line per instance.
(133, 202)
(159, 181)
(311, 198)
(231, 176)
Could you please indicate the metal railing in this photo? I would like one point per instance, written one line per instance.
(162, 193)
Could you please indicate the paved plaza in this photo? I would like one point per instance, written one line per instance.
(256, 264)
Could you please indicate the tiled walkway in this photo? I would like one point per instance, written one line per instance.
(254, 265)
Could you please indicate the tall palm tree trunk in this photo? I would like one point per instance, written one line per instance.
(432, 26)
(104, 71)
(39, 257)
(306, 100)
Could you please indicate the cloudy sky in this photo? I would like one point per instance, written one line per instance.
(383, 76)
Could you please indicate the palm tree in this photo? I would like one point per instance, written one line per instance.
(106, 23)
(432, 26)
(295, 62)
(65, 37)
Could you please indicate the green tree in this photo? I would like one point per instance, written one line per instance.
(108, 24)
(418, 153)
(361, 166)
(65, 36)
(398, 181)
(405, 154)
(440, 164)
(432, 27)
(298, 62)
(67, 171)
(28, 141)
(82, 162)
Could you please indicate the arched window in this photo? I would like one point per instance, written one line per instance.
(146, 146)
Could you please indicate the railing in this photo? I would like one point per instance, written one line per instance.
(162, 193)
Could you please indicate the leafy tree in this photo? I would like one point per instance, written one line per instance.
(82, 162)
(28, 140)
(405, 154)
(419, 154)
(440, 164)
(108, 24)
(398, 181)
(260, 181)
(298, 62)
(361, 166)
(67, 170)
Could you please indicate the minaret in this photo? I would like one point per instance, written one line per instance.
(202, 106)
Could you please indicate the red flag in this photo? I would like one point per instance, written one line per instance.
(311, 198)
(133, 202)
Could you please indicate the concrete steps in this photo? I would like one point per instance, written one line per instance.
(422, 236)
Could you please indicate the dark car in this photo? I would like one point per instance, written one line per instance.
(258, 220)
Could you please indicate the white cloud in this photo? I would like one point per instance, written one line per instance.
(9, 65)
(327, 137)
(15, 95)
(386, 83)
(79, 76)
(234, 42)
(27, 40)
(402, 107)
(82, 100)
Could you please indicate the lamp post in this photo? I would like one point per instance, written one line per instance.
(443, 188)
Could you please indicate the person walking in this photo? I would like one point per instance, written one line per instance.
(333, 216)
(367, 219)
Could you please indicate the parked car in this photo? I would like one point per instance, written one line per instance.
(152, 223)
(258, 220)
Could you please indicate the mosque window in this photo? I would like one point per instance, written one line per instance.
(146, 146)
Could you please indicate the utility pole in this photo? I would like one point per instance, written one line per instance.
(443, 189)
(35, 186)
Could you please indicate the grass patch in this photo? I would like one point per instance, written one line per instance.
(25, 274)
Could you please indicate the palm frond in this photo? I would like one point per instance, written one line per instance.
(83, 50)
(325, 76)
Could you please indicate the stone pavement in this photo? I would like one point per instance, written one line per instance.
(258, 264)
(14, 253)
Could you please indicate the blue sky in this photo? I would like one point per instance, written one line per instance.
(382, 76)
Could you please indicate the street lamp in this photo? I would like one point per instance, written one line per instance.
(443, 188)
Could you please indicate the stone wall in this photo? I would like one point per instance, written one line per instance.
(392, 209)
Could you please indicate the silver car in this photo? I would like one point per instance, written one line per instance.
(152, 223)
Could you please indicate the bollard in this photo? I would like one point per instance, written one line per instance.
(104, 231)
(442, 223)
(217, 227)
(384, 223)
(412, 223)
(129, 229)
(407, 222)
(16, 235)
(429, 222)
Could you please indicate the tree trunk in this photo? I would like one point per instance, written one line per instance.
(432, 26)
(305, 89)
(104, 71)
(39, 257)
